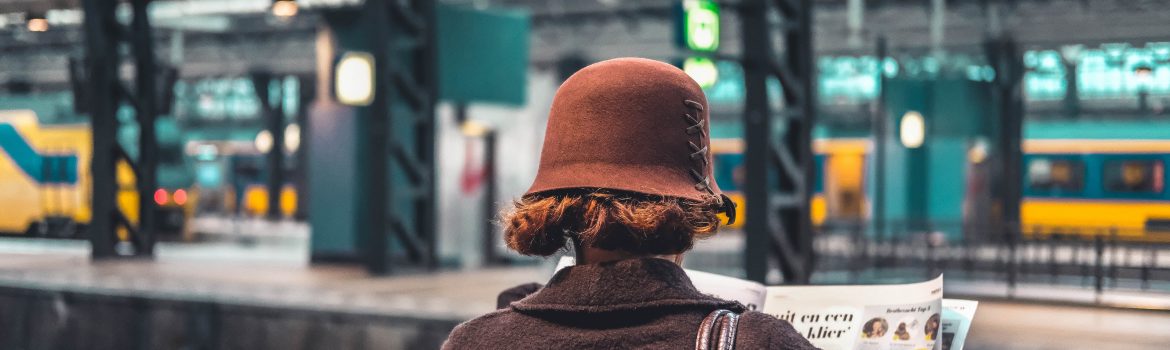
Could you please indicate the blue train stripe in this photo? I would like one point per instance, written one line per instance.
(49, 169)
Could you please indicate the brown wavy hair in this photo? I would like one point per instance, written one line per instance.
(620, 221)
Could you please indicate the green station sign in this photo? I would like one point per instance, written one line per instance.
(698, 25)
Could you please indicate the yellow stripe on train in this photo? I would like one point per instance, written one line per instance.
(1092, 217)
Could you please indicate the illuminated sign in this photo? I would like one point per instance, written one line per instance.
(846, 79)
(229, 98)
(1110, 71)
(1045, 79)
(702, 70)
(699, 25)
(216, 98)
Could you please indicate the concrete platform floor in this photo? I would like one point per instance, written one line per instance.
(1011, 325)
(466, 294)
(452, 295)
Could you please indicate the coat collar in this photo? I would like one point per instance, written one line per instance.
(624, 285)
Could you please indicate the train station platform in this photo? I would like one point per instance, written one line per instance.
(49, 300)
(62, 300)
(248, 284)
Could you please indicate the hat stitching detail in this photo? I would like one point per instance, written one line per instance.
(694, 129)
(704, 183)
(699, 153)
(697, 126)
(693, 104)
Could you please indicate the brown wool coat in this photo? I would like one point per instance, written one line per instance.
(630, 304)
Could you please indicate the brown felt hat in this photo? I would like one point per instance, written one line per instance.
(629, 124)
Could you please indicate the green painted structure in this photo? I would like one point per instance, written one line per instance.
(482, 57)
(925, 185)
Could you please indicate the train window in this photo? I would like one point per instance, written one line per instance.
(1046, 174)
(1134, 176)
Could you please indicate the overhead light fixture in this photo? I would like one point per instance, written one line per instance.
(292, 138)
(36, 22)
(353, 79)
(284, 8)
(263, 141)
(473, 128)
(912, 129)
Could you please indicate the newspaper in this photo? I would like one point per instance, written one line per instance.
(863, 317)
(895, 317)
(956, 321)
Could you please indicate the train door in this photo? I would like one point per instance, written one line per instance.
(844, 187)
(843, 181)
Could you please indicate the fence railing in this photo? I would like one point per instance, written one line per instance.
(1103, 259)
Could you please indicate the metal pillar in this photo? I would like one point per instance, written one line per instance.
(490, 209)
(301, 155)
(1005, 56)
(880, 138)
(779, 171)
(398, 135)
(854, 20)
(105, 94)
(1072, 100)
(938, 26)
(273, 113)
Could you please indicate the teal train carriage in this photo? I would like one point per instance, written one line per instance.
(1096, 177)
(1079, 178)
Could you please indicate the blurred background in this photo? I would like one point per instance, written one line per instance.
(206, 174)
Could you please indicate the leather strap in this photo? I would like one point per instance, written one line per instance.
(718, 329)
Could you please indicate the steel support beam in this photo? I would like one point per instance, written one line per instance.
(778, 151)
(272, 110)
(112, 233)
(490, 189)
(880, 129)
(1005, 56)
(301, 156)
(398, 137)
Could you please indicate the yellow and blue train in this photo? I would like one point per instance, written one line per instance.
(839, 165)
(1097, 186)
(45, 182)
(1079, 178)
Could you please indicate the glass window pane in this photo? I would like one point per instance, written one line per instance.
(1056, 175)
(1134, 176)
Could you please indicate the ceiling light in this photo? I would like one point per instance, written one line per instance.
(284, 8)
(36, 22)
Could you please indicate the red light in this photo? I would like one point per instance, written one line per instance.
(160, 196)
(180, 197)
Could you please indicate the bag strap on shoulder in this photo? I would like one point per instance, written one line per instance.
(717, 329)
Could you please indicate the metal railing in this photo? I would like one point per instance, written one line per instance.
(1101, 258)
